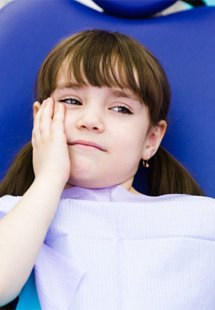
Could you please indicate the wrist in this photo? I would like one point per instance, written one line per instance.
(50, 184)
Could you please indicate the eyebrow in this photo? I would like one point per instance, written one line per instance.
(124, 94)
(68, 85)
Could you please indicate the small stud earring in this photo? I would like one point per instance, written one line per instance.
(145, 164)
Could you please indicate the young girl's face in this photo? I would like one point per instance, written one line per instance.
(108, 132)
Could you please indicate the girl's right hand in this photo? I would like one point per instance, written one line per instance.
(38, 205)
(50, 150)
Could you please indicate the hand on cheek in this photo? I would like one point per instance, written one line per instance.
(50, 150)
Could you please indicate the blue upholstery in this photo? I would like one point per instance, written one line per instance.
(183, 42)
(134, 8)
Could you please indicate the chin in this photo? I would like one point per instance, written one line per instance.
(90, 183)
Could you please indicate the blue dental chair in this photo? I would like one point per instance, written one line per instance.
(184, 43)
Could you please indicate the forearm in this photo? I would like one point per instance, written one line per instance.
(23, 230)
(22, 233)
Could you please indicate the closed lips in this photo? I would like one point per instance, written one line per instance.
(87, 143)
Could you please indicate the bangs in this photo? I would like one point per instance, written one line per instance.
(94, 64)
(102, 58)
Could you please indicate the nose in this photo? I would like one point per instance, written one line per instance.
(91, 120)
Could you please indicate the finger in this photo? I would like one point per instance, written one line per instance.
(33, 141)
(36, 108)
(58, 118)
(40, 128)
(36, 115)
(45, 116)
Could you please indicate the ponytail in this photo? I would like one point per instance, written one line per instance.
(168, 176)
(20, 174)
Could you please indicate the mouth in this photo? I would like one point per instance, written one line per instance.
(87, 144)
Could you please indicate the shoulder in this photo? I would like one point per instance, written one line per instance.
(7, 203)
(187, 204)
(186, 199)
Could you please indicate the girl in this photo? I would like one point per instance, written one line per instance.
(69, 208)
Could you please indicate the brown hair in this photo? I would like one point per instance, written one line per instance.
(124, 63)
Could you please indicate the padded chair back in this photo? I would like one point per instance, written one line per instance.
(183, 42)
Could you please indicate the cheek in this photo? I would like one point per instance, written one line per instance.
(128, 151)
(134, 138)
(69, 122)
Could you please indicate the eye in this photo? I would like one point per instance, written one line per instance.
(71, 101)
(121, 109)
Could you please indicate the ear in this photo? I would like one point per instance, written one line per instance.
(36, 107)
(153, 140)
